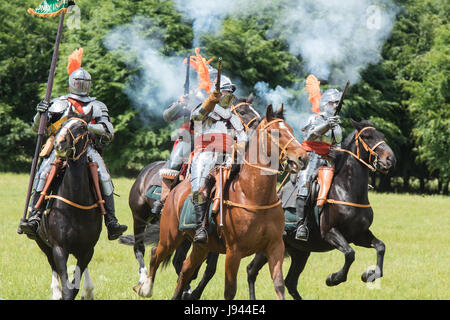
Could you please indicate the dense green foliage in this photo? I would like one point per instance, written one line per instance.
(405, 95)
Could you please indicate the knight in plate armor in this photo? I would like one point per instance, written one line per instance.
(216, 127)
(101, 132)
(320, 134)
(178, 112)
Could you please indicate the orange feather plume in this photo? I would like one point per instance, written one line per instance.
(313, 88)
(200, 65)
(75, 61)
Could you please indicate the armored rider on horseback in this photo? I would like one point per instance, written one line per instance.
(321, 133)
(215, 128)
(179, 110)
(101, 132)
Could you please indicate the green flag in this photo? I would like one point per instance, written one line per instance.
(50, 8)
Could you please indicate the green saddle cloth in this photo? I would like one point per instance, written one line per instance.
(290, 218)
(187, 217)
(154, 192)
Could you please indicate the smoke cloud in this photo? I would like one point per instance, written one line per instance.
(160, 78)
(335, 39)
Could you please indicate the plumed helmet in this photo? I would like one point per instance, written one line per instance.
(79, 79)
(80, 82)
(330, 95)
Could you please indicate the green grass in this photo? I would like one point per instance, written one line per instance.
(414, 228)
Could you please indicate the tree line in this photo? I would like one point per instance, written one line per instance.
(405, 95)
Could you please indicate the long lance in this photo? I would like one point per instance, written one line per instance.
(186, 82)
(341, 101)
(44, 116)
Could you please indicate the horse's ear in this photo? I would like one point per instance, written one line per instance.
(356, 124)
(269, 113)
(280, 112)
(71, 113)
(250, 98)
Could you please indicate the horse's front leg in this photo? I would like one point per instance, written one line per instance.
(252, 272)
(211, 265)
(60, 257)
(232, 261)
(198, 255)
(337, 240)
(275, 255)
(368, 240)
(56, 286)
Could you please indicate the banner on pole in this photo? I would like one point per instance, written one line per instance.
(51, 8)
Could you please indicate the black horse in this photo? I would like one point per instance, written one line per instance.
(146, 226)
(340, 223)
(72, 223)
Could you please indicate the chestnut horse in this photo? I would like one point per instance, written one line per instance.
(253, 220)
(346, 217)
(140, 205)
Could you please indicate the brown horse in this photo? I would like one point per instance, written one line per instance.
(253, 220)
(146, 232)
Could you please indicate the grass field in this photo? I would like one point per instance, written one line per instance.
(414, 228)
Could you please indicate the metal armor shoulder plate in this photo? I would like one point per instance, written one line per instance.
(59, 105)
(99, 109)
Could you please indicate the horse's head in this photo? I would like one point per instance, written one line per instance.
(292, 156)
(380, 155)
(249, 117)
(72, 139)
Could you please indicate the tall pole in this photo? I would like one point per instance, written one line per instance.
(44, 116)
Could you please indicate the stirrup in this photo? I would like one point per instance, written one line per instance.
(201, 235)
(302, 233)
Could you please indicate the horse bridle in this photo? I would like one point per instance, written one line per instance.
(75, 140)
(371, 165)
(283, 154)
(246, 125)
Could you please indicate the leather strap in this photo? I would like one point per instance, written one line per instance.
(251, 207)
(331, 201)
(73, 204)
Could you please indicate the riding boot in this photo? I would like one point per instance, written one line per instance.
(201, 234)
(325, 177)
(115, 229)
(157, 207)
(30, 226)
(302, 230)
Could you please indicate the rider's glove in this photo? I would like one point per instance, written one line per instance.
(42, 106)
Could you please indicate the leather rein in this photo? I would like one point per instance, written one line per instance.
(370, 165)
(282, 158)
(75, 158)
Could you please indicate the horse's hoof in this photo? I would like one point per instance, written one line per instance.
(137, 288)
(370, 275)
(332, 280)
(186, 296)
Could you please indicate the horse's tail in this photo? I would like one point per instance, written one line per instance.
(151, 236)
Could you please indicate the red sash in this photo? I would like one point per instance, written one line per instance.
(78, 107)
(318, 147)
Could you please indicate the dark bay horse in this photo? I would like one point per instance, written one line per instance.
(253, 219)
(65, 228)
(340, 223)
(146, 227)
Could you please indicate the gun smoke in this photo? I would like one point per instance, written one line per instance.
(334, 40)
